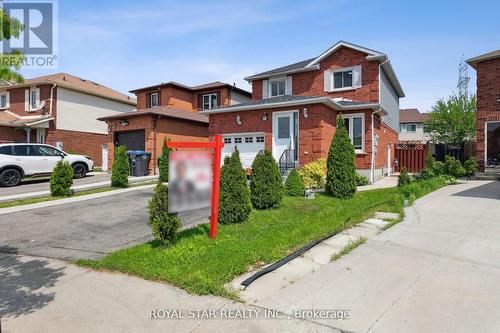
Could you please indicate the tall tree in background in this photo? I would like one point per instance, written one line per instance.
(10, 63)
(453, 120)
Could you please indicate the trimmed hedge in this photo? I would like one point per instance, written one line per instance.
(341, 171)
(266, 185)
(121, 168)
(294, 185)
(61, 179)
(164, 225)
(234, 196)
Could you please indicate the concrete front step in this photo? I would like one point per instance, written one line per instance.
(310, 262)
(487, 176)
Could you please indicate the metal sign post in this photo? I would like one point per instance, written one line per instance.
(217, 146)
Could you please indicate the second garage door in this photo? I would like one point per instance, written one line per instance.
(133, 140)
(248, 144)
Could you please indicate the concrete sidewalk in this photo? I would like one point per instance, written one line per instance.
(437, 271)
(45, 295)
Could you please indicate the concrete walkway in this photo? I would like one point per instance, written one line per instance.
(438, 271)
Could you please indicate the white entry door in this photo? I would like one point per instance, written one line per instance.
(284, 133)
(389, 171)
(104, 165)
(40, 135)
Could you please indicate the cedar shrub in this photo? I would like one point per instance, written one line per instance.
(266, 184)
(164, 225)
(294, 186)
(341, 171)
(121, 168)
(61, 179)
(163, 161)
(234, 195)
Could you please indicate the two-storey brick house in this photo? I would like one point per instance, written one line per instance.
(294, 108)
(487, 67)
(60, 109)
(169, 110)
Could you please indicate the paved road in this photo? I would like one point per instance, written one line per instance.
(42, 184)
(438, 271)
(87, 229)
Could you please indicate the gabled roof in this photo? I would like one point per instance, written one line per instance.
(211, 85)
(313, 64)
(412, 116)
(294, 100)
(160, 111)
(483, 57)
(73, 82)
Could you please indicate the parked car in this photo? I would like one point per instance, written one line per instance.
(19, 160)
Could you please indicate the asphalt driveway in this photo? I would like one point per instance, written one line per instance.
(86, 229)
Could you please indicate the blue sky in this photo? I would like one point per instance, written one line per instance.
(129, 44)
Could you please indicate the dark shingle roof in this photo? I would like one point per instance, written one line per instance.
(297, 65)
(412, 116)
(161, 111)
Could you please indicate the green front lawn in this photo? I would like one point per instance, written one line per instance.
(204, 266)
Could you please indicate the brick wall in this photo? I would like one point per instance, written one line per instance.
(12, 134)
(79, 143)
(312, 83)
(488, 106)
(17, 98)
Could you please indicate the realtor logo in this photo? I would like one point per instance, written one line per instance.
(38, 40)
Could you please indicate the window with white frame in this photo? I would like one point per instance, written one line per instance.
(3, 101)
(408, 127)
(209, 101)
(153, 100)
(277, 87)
(355, 127)
(34, 98)
(342, 79)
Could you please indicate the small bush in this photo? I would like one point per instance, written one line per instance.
(418, 189)
(234, 197)
(341, 172)
(453, 167)
(470, 167)
(294, 185)
(163, 161)
(164, 225)
(428, 171)
(439, 168)
(361, 180)
(61, 179)
(121, 168)
(403, 178)
(313, 174)
(266, 185)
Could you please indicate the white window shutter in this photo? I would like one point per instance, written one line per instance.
(288, 85)
(327, 77)
(356, 76)
(7, 99)
(265, 89)
(37, 97)
(26, 99)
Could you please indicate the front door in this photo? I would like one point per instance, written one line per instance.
(104, 165)
(493, 144)
(285, 125)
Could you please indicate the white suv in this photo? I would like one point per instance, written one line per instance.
(18, 160)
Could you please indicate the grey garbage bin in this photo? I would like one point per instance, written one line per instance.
(139, 162)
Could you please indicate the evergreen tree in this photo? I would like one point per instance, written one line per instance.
(164, 225)
(266, 184)
(121, 168)
(61, 179)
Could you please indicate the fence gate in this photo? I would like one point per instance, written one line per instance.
(409, 155)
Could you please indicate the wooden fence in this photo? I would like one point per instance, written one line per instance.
(411, 156)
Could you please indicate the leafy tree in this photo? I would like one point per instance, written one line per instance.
(266, 185)
(234, 196)
(11, 62)
(164, 225)
(294, 185)
(341, 171)
(61, 179)
(163, 161)
(453, 120)
(121, 168)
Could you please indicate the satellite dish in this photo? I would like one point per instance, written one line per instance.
(41, 105)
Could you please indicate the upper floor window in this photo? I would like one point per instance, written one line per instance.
(278, 87)
(408, 127)
(33, 99)
(153, 100)
(209, 101)
(355, 127)
(4, 100)
(343, 79)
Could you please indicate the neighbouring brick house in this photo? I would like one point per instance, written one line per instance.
(169, 110)
(487, 67)
(411, 126)
(294, 108)
(62, 110)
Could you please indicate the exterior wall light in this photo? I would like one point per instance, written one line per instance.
(123, 122)
(306, 113)
(238, 120)
(265, 116)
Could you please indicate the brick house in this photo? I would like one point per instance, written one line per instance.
(487, 67)
(60, 109)
(169, 110)
(294, 108)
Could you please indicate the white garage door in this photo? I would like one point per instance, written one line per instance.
(248, 144)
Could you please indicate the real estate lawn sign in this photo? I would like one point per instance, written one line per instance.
(217, 145)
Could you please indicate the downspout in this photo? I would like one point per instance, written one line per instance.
(52, 97)
(155, 158)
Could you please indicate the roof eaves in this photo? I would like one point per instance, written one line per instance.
(292, 71)
(345, 44)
